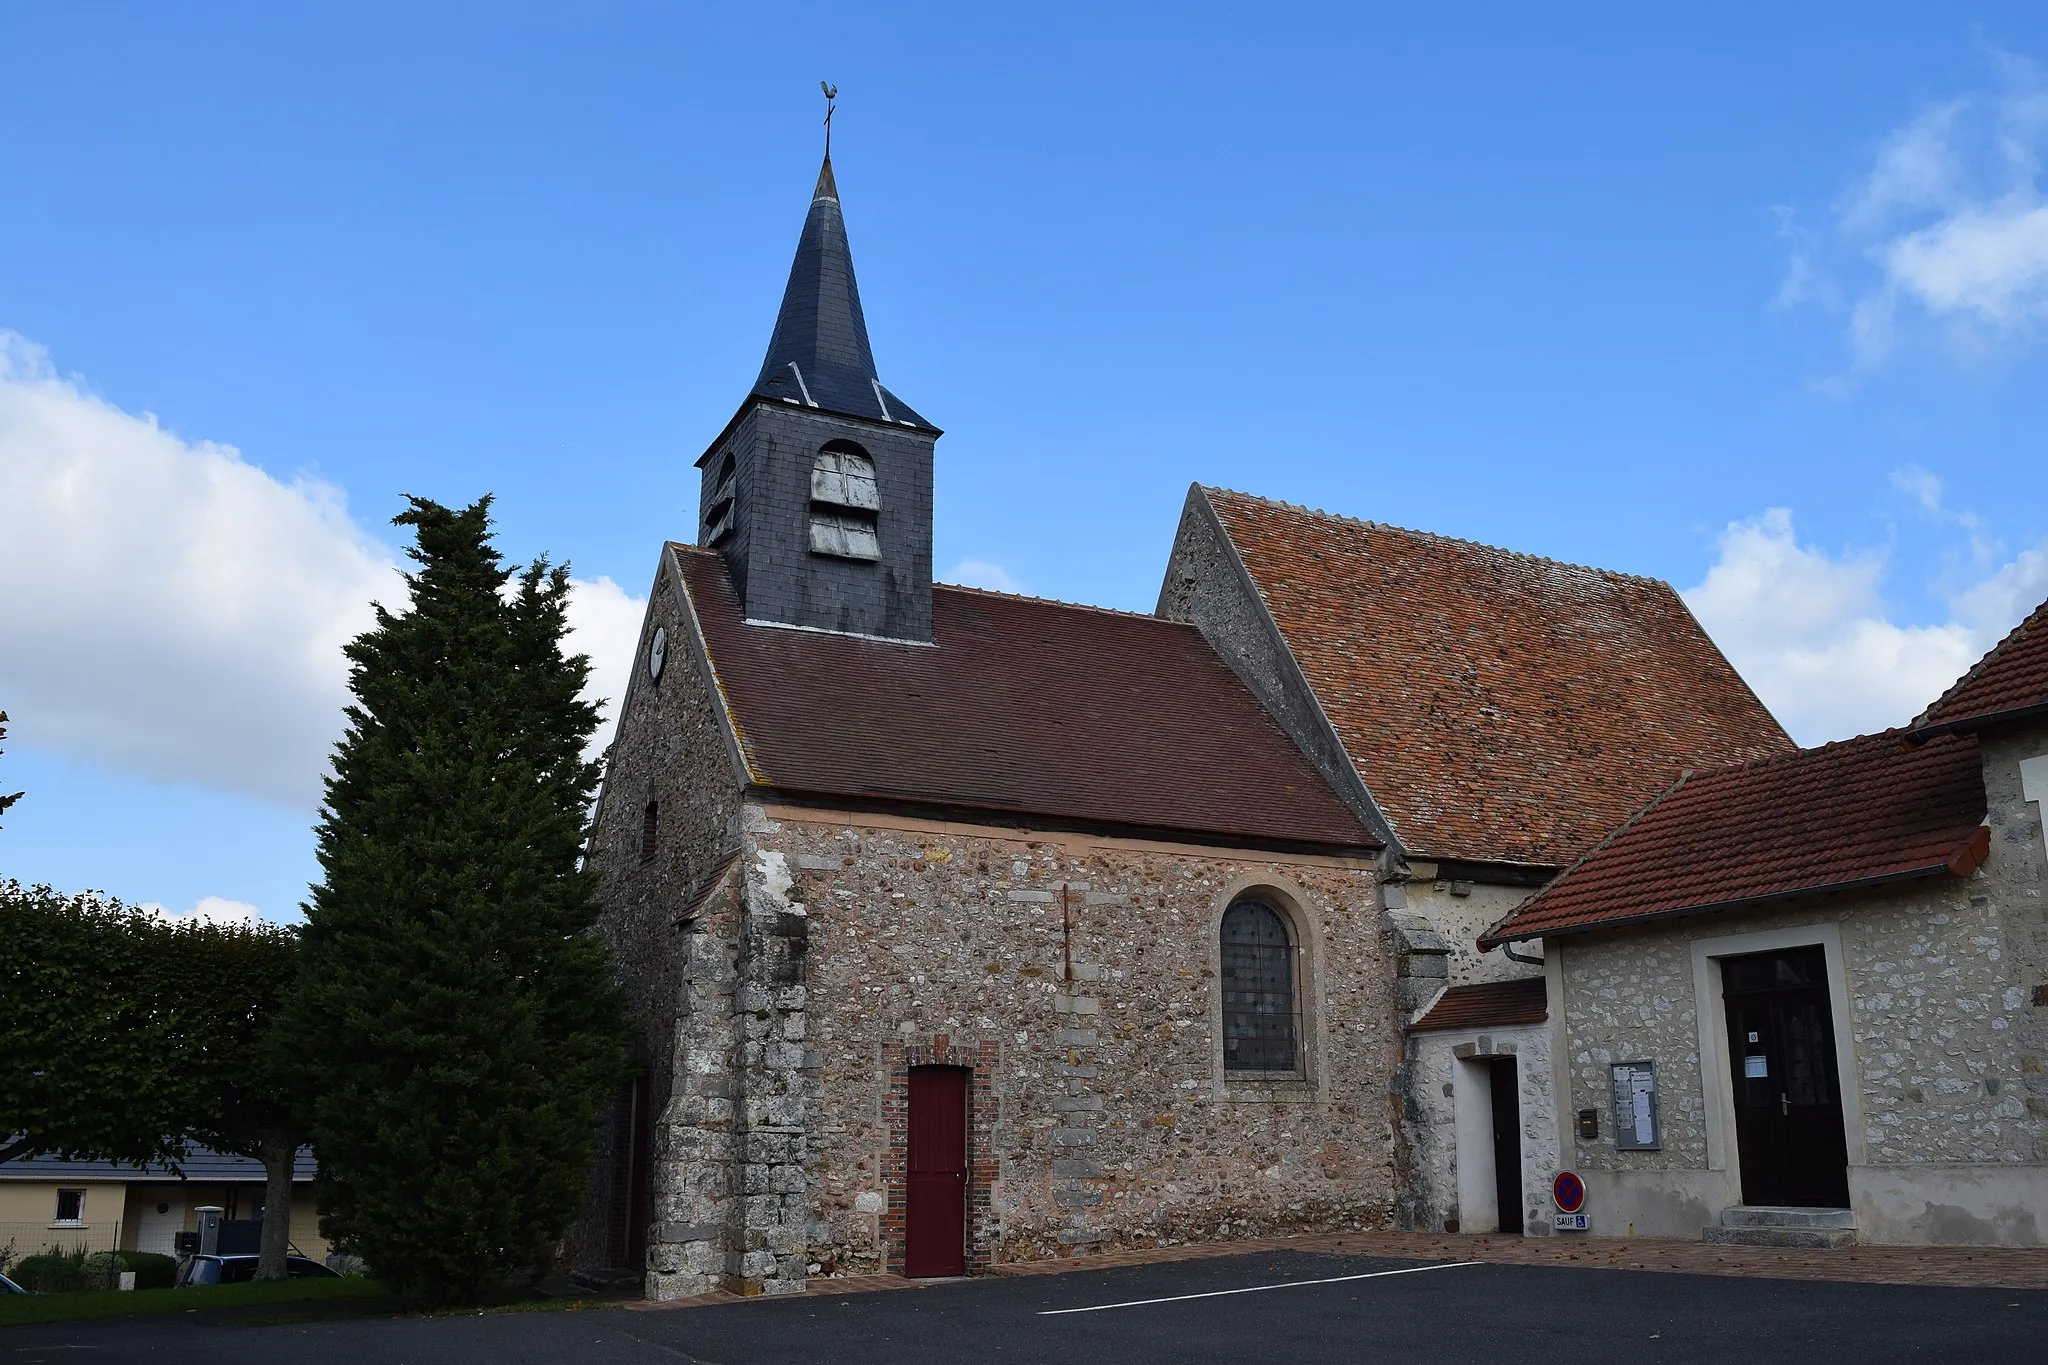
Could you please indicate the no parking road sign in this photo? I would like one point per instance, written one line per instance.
(1568, 1192)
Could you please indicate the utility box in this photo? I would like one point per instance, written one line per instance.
(210, 1216)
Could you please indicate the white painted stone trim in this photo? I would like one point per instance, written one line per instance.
(2034, 788)
(1563, 1115)
(1718, 1109)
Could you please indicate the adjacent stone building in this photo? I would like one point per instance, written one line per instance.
(1802, 1000)
(1490, 716)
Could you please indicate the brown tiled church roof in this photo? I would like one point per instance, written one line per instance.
(1020, 708)
(1489, 1004)
(1500, 707)
(1855, 813)
(2009, 683)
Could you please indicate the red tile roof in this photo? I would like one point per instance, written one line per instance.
(1491, 1004)
(1858, 812)
(1021, 708)
(1500, 707)
(2009, 682)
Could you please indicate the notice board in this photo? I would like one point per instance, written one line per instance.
(1635, 1107)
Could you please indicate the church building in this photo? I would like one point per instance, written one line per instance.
(963, 927)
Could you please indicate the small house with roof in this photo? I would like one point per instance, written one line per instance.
(49, 1201)
(1802, 999)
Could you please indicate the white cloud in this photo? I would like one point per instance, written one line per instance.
(1989, 262)
(1811, 633)
(1948, 228)
(604, 622)
(209, 910)
(981, 573)
(175, 612)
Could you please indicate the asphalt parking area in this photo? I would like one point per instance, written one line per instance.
(1287, 1306)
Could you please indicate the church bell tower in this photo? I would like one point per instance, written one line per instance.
(819, 491)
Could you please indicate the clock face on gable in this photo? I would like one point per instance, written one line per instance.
(657, 653)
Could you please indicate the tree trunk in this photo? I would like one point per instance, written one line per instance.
(279, 1154)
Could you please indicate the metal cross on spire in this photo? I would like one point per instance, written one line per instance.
(831, 94)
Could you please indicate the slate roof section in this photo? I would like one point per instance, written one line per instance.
(1500, 707)
(1489, 1004)
(1020, 709)
(2009, 683)
(1855, 813)
(821, 329)
(201, 1165)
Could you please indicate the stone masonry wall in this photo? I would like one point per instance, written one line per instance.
(1940, 975)
(1437, 1057)
(1109, 1120)
(1207, 586)
(2016, 879)
(672, 922)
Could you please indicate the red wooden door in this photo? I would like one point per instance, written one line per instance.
(935, 1194)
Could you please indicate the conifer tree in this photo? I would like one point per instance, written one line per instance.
(454, 1023)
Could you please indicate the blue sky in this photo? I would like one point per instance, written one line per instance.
(1752, 302)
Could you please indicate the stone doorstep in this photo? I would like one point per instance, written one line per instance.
(1768, 1226)
(1971, 1267)
(1764, 1216)
(1813, 1239)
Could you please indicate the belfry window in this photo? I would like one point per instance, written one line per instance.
(846, 504)
(1259, 1031)
(718, 510)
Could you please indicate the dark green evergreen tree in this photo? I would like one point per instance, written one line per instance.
(454, 1021)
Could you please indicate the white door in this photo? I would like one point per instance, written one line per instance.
(163, 1216)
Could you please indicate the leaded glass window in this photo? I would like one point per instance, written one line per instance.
(1258, 990)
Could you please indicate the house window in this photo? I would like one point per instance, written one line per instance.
(718, 511)
(846, 504)
(70, 1207)
(1258, 990)
(650, 830)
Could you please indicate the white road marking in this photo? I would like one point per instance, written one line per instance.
(1257, 1288)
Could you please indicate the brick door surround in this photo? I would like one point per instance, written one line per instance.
(980, 1061)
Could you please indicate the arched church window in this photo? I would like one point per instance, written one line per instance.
(718, 510)
(846, 503)
(1259, 1031)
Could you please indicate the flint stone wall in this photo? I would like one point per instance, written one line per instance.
(1112, 1122)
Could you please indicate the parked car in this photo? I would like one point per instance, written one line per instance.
(8, 1286)
(242, 1269)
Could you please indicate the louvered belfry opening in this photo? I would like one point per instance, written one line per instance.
(1258, 990)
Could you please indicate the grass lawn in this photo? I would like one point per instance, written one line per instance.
(18, 1309)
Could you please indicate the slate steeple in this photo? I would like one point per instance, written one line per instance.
(819, 354)
(818, 493)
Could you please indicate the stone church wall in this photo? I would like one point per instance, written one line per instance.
(1208, 586)
(1107, 1118)
(679, 976)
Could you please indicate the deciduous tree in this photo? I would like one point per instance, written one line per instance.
(124, 1036)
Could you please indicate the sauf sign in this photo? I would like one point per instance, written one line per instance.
(1568, 1192)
